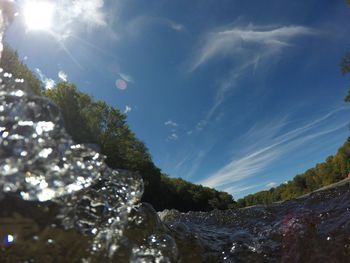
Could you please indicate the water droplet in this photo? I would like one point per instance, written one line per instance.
(9, 239)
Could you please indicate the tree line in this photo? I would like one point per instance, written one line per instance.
(334, 169)
(90, 121)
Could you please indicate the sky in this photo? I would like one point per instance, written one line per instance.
(236, 95)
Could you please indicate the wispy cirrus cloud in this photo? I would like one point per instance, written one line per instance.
(126, 77)
(249, 41)
(267, 149)
(248, 47)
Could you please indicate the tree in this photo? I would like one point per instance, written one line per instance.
(10, 63)
(345, 68)
(334, 169)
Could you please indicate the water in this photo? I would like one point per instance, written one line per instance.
(315, 228)
(59, 202)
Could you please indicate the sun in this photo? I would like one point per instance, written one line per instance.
(38, 15)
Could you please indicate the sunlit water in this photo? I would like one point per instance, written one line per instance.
(59, 202)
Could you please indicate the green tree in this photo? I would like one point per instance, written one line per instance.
(89, 121)
(334, 169)
(10, 63)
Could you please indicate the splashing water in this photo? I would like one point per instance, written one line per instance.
(39, 162)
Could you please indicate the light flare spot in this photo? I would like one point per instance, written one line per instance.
(10, 239)
(121, 84)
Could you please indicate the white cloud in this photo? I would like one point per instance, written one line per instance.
(86, 12)
(173, 137)
(247, 41)
(127, 109)
(176, 26)
(126, 77)
(48, 82)
(270, 185)
(62, 76)
(172, 129)
(171, 123)
(265, 150)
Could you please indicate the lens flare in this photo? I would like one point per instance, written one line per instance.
(121, 84)
(38, 15)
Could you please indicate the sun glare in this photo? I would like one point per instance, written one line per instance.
(38, 15)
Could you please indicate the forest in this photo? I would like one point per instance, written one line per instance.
(105, 128)
(334, 169)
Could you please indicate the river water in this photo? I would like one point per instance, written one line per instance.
(59, 202)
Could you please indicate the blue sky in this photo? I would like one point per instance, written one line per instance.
(236, 95)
